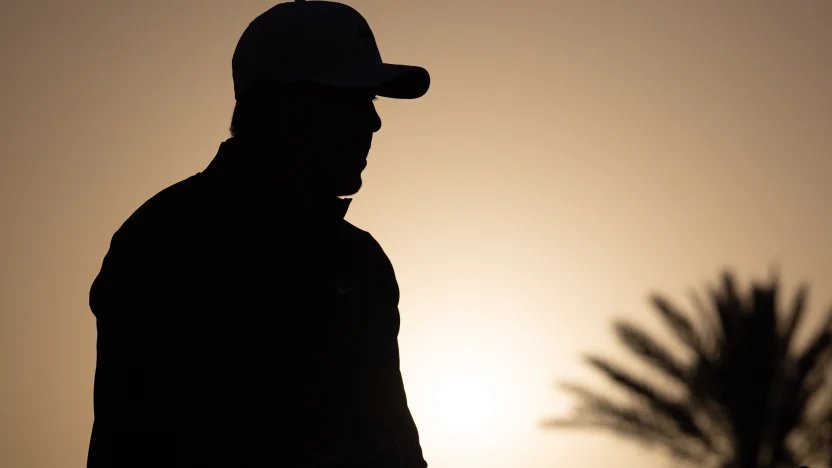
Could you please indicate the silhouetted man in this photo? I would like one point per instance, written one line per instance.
(242, 322)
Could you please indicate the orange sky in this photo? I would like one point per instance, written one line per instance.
(569, 158)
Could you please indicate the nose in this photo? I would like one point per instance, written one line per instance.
(375, 119)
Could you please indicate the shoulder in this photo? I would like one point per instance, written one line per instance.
(367, 252)
(152, 229)
(161, 213)
(359, 237)
(362, 241)
(138, 245)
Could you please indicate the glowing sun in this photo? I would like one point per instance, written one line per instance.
(464, 404)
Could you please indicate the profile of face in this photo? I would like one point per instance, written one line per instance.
(326, 134)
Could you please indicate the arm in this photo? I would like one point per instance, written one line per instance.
(124, 431)
(402, 421)
(400, 418)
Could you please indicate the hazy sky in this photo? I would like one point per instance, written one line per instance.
(570, 158)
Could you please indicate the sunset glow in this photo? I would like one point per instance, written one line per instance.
(570, 158)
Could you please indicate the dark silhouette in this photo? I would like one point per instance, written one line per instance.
(242, 322)
(744, 398)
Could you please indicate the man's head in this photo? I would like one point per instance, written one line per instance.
(319, 136)
(305, 77)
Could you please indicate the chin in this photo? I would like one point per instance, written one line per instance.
(347, 188)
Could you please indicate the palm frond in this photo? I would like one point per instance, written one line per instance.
(817, 353)
(749, 399)
(814, 434)
(593, 408)
(761, 318)
(639, 424)
(809, 376)
(794, 318)
(729, 308)
(676, 413)
(643, 345)
(678, 323)
(711, 334)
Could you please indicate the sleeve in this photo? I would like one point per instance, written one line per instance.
(401, 420)
(405, 427)
(118, 297)
(127, 429)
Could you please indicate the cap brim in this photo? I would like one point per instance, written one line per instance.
(388, 80)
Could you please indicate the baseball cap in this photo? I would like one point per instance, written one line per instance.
(321, 42)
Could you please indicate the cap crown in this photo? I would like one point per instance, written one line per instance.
(300, 40)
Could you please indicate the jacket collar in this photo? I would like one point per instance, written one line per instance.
(229, 168)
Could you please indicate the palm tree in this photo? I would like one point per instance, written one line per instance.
(747, 399)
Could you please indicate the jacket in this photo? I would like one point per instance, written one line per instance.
(241, 325)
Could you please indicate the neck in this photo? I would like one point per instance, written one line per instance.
(277, 166)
